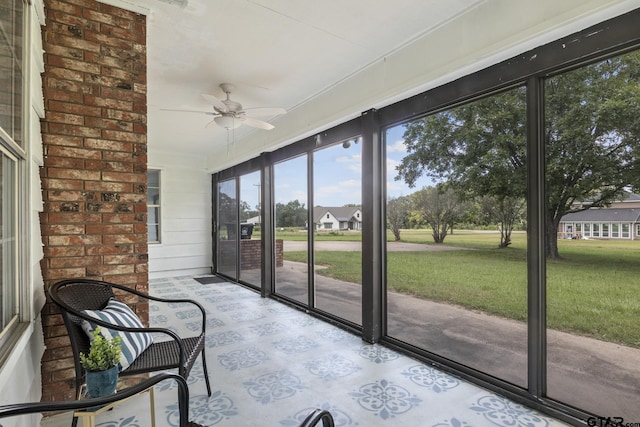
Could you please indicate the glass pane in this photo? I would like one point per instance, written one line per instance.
(154, 232)
(152, 215)
(6, 66)
(227, 233)
(153, 196)
(291, 216)
(153, 178)
(593, 303)
(250, 229)
(11, 40)
(456, 241)
(337, 215)
(153, 208)
(8, 294)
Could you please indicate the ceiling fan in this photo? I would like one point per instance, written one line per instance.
(229, 114)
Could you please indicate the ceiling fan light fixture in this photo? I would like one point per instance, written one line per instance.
(227, 122)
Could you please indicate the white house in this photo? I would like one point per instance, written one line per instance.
(620, 220)
(337, 218)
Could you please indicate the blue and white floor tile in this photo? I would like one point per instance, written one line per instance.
(270, 365)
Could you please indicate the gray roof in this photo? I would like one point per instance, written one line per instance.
(342, 213)
(624, 197)
(604, 215)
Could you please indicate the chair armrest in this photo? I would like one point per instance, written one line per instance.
(31, 408)
(165, 300)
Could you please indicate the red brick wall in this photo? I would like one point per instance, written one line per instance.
(94, 174)
(251, 254)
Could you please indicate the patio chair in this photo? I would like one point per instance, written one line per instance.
(316, 416)
(17, 409)
(85, 302)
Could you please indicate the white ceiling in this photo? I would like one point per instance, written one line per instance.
(278, 53)
(326, 60)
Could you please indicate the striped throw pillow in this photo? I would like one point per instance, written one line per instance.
(117, 313)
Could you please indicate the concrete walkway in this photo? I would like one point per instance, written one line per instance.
(598, 376)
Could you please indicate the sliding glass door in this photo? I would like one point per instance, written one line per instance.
(291, 229)
(593, 298)
(337, 229)
(251, 229)
(227, 229)
(456, 241)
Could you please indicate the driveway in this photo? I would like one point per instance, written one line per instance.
(601, 376)
(356, 246)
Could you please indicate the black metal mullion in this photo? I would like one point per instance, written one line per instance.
(373, 226)
(267, 225)
(238, 230)
(214, 223)
(311, 296)
(536, 258)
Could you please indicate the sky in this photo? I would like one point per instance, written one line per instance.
(338, 174)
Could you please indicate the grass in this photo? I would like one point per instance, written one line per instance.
(301, 235)
(593, 290)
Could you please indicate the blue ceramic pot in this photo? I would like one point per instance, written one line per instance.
(102, 383)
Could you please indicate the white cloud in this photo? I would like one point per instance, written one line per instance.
(397, 147)
(350, 183)
(348, 191)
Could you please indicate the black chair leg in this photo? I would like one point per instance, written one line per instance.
(206, 374)
(74, 421)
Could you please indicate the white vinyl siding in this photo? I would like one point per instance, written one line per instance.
(185, 216)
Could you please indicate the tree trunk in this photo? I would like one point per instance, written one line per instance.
(396, 233)
(551, 237)
(505, 234)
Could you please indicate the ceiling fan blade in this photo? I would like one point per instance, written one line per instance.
(257, 123)
(217, 103)
(209, 113)
(265, 111)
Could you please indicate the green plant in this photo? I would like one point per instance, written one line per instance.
(103, 353)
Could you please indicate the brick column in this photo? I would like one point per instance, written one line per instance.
(94, 174)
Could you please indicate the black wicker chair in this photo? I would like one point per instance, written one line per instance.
(17, 409)
(74, 295)
(317, 416)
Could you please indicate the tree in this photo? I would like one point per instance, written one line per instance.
(591, 141)
(592, 137)
(293, 214)
(506, 212)
(398, 215)
(246, 212)
(439, 208)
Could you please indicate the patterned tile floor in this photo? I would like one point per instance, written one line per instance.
(270, 365)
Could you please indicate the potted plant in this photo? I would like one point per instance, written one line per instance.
(101, 364)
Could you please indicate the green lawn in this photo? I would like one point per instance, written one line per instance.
(593, 290)
(299, 235)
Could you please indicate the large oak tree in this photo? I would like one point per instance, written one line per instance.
(592, 136)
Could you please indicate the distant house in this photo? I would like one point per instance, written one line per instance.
(337, 218)
(253, 220)
(620, 220)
